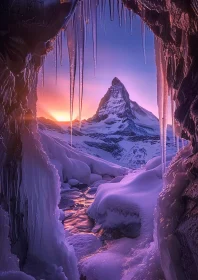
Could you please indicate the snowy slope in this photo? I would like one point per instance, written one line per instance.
(121, 131)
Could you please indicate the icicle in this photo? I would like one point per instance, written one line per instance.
(122, 13)
(43, 71)
(165, 108)
(162, 97)
(111, 9)
(61, 48)
(184, 49)
(172, 114)
(119, 8)
(125, 17)
(103, 9)
(71, 43)
(94, 31)
(131, 20)
(56, 58)
(81, 40)
(177, 143)
(183, 145)
(143, 32)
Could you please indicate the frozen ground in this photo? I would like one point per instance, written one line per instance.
(113, 235)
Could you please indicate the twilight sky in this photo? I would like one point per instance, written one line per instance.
(120, 54)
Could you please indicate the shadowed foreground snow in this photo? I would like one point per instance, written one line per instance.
(125, 200)
(128, 202)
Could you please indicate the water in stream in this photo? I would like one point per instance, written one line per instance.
(77, 203)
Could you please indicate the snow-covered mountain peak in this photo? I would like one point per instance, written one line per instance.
(115, 103)
(124, 115)
(116, 82)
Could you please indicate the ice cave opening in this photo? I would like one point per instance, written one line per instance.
(120, 223)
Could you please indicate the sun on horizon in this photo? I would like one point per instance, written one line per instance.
(61, 116)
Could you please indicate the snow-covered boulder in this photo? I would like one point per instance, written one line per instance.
(84, 244)
(128, 202)
(94, 178)
(73, 182)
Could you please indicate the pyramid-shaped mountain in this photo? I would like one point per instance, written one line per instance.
(124, 116)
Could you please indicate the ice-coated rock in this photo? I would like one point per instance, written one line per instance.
(94, 178)
(73, 182)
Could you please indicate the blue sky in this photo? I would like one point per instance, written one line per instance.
(120, 54)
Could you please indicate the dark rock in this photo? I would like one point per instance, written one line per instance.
(130, 231)
(112, 148)
(81, 186)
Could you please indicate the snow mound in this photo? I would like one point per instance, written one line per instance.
(130, 201)
(125, 259)
(84, 244)
(72, 164)
(156, 161)
(16, 276)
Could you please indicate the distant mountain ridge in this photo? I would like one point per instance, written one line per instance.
(121, 131)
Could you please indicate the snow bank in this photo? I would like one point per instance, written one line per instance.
(68, 167)
(84, 244)
(130, 201)
(124, 259)
(75, 164)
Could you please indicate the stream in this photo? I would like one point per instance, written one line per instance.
(76, 203)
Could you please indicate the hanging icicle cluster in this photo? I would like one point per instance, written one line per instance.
(86, 13)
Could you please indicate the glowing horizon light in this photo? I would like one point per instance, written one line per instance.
(61, 116)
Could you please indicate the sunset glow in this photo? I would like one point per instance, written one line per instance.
(122, 58)
(61, 116)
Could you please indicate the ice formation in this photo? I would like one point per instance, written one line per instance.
(162, 96)
(9, 265)
(39, 198)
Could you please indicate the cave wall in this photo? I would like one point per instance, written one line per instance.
(27, 32)
(176, 24)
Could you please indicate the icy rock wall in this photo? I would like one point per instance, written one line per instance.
(39, 196)
(26, 35)
(175, 24)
